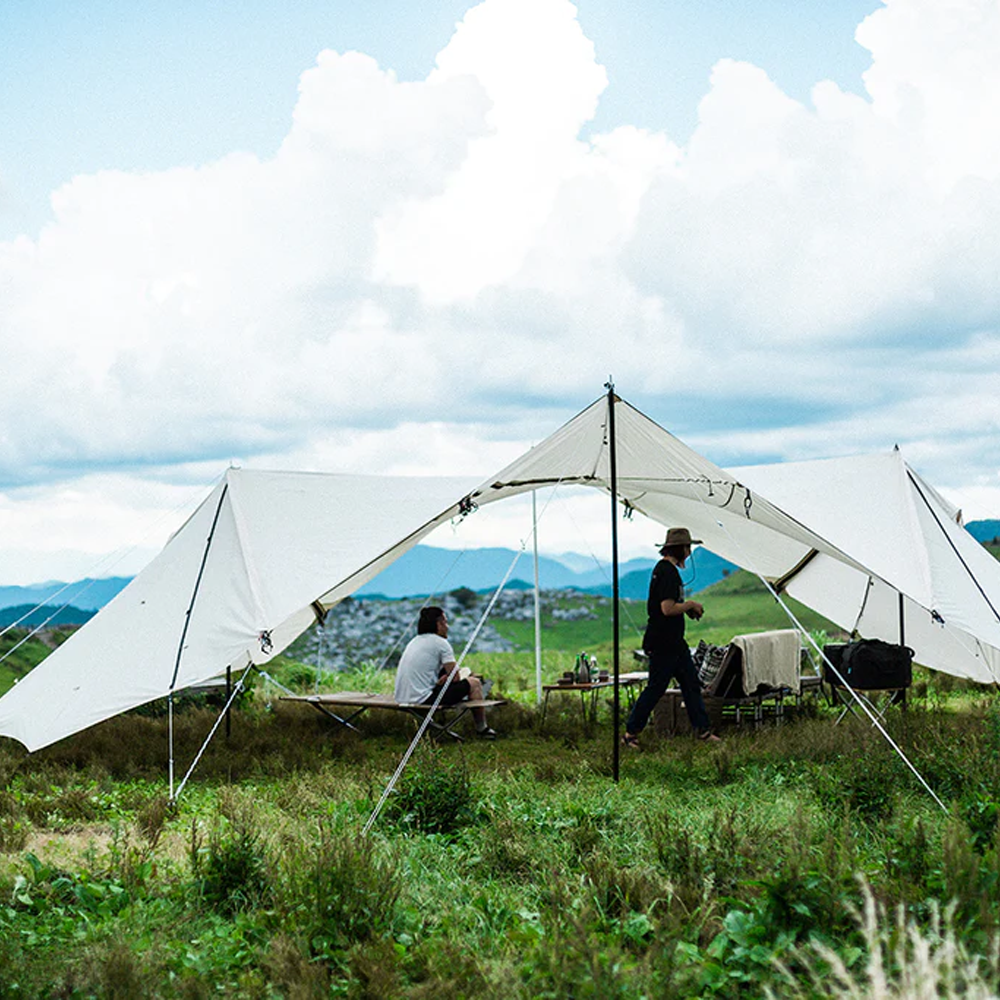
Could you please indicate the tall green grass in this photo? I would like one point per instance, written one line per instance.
(514, 869)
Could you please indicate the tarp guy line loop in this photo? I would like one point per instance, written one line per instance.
(466, 506)
(874, 720)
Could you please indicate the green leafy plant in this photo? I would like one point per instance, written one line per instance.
(434, 796)
(339, 888)
(232, 871)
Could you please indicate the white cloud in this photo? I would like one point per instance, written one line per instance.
(454, 260)
(98, 525)
(538, 70)
(935, 76)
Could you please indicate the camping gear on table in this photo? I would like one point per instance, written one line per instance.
(583, 669)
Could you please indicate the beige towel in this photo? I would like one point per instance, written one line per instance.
(770, 659)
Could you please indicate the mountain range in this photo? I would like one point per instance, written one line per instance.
(422, 570)
(984, 531)
(426, 569)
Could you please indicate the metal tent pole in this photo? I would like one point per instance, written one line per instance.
(613, 456)
(187, 622)
(538, 606)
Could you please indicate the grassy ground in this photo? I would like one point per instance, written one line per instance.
(737, 604)
(507, 869)
(799, 861)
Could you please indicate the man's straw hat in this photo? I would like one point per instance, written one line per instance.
(679, 536)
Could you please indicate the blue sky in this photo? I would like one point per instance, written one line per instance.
(115, 85)
(777, 229)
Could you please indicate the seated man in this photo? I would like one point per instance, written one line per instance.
(425, 666)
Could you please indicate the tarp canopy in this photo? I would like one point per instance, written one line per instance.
(234, 585)
(268, 552)
(928, 583)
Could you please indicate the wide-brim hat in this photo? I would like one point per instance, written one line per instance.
(678, 536)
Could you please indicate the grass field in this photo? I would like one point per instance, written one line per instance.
(801, 861)
(737, 604)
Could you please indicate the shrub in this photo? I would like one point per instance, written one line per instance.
(698, 866)
(981, 813)
(507, 850)
(433, 796)
(903, 960)
(863, 781)
(13, 827)
(232, 872)
(339, 889)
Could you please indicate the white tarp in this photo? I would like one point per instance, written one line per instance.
(249, 563)
(266, 552)
(877, 509)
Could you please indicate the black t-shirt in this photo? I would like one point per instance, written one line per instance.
(664, 585)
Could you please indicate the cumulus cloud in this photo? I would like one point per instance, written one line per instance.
(457, 259)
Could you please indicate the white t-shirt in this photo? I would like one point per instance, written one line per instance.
(419, 667)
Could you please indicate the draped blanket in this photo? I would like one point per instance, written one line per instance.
(770, 659)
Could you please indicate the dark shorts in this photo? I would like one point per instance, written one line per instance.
(457, 691)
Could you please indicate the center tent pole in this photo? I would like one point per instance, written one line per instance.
(613, 457)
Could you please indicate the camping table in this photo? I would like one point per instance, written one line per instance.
(361, 701)
(626, 681)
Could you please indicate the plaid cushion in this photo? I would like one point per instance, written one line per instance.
(710, 663)
(698, 656)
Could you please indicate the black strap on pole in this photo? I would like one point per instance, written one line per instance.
(613, 456)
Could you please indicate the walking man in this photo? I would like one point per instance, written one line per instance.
(664, 643)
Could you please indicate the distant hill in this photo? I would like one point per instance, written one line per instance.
(984, 531)
(424, 569)
(704, 570)
(50, 617)
(86, 595)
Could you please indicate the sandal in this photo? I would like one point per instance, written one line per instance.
(709, 737)
(630, 741)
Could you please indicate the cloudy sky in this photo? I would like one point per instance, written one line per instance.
(415, 238)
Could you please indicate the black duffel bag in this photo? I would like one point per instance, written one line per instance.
(870, 665)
